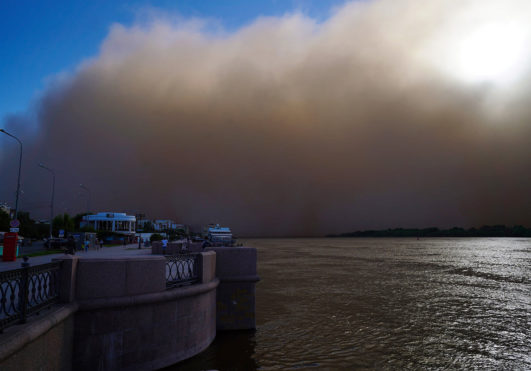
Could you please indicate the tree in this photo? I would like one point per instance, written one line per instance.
(64, 222)
(78, 219)
(27, 225)
(148, 227)
(4, 221)
(177, 234)
(155, 237)
(86, 228)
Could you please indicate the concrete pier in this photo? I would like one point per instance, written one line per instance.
(236, 270)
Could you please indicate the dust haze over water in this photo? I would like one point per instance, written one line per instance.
(388, 113)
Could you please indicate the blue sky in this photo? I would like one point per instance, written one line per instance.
(43, 38)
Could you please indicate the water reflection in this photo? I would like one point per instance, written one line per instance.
(231, 350)
(384, 304)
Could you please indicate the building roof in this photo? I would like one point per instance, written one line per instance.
(110, 216)
(219, 229)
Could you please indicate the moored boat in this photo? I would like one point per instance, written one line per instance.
(220, 236)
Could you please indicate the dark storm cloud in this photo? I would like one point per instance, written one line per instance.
(290, 127)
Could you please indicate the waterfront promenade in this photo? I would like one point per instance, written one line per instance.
(105, 252)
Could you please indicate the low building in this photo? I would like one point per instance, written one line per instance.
(111, 222)
(168, 225)
(164, 225)
(141, 224)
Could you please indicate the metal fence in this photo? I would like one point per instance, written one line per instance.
(182, 269)
(26, 291)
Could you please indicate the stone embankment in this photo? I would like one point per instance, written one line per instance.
(117, 312)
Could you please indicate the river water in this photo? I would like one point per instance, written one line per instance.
(384, 304)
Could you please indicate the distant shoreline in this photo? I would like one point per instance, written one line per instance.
(484, 231)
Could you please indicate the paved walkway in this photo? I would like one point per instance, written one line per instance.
(128, 250)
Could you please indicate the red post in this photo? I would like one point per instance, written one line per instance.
(10, 247)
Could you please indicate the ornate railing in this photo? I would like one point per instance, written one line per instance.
(182, 269)
(26, 291)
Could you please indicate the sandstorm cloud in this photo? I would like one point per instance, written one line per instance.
(374, 118)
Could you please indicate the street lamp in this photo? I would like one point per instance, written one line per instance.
(88, 199)
(19, 167)
(53, 194)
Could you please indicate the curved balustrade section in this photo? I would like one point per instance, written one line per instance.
(182, 269)
(26, 291)
(124, 312)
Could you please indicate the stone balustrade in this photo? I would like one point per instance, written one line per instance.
(117, 314)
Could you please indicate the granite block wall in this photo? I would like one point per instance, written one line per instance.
(235, 303)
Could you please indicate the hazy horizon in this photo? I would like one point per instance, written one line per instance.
(383, 113)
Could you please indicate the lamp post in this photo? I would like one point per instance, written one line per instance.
(139, 217)
(19, 167)
(53, 194)
(88, 200)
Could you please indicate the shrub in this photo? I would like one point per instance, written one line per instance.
(155, 237)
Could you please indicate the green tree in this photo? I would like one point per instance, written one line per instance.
(78, 219)
(148, 227)
(64, 222)
(27, 225)
(155, 237)
(86, 228)
(177, 234)
(4, 221)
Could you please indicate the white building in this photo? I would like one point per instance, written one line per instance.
(142, 223)
(165, 224)
(161, 225)
(111, 222)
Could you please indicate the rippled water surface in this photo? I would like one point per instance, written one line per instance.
(384, 304)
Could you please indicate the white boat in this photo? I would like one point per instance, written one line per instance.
(220, 236)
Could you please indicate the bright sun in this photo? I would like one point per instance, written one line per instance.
(492, 53)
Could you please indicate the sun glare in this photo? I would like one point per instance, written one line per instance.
(492, 53)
